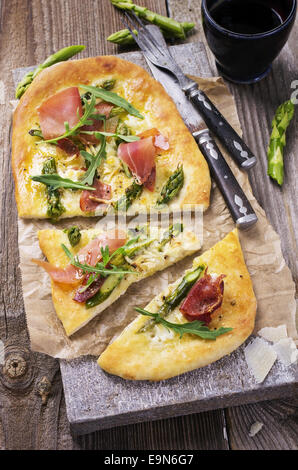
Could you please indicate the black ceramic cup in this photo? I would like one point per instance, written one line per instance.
(247, 58)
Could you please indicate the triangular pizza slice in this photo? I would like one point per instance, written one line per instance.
(201, 317)
(90, 269)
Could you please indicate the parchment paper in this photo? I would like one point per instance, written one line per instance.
(272, 280)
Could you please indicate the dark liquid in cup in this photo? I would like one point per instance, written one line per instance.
(246, 16)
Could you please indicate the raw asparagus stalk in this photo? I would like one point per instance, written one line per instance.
(282, 119)
(124, 38)
(168, 25)
(174, 299)
(59, 56)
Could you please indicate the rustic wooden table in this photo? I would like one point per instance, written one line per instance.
(32, 407)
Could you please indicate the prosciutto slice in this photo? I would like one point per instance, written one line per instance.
(139, 157)
(159, 141)
(204, 298)
(68, 146)
(102, 108)
(90, 200)
(63, 107)
(90, 254)
(90, 291)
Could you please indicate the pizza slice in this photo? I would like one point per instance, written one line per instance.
(198, 320)
(90, 269)
(100, 135)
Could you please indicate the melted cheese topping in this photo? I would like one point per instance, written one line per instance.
(111, 170)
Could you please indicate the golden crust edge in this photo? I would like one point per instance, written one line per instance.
(109, 359)
(63, 74)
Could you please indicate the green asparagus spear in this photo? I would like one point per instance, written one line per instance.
(131, 193)
(172, 186)
(59, 56)
(124, 38)
(55, 207)
(169, 25)
(282, 118)
(173, 231)
(74, 235)
(174, 299)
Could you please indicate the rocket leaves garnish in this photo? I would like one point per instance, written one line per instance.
(125, 138)
(85, 120)
(100, 267)
(113, 98)
(57, 181)
(195, 327)
(94, 162)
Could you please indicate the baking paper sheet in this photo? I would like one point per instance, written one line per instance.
(272, 280)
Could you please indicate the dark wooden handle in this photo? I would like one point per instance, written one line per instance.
(238, 204)
(222, 129)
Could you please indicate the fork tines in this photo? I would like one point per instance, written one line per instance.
(143, 38)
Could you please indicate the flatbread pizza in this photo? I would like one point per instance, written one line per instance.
(90, 269)
(100, 134)
(199, 319)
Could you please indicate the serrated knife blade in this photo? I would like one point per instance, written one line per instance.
(189, 114)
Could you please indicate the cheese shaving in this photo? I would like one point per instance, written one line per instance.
(286, 351)
(260, 357)
(273, 334)
(255, 428)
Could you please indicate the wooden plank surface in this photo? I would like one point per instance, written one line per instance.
(96, 400)
(256, 105)
(29, 31)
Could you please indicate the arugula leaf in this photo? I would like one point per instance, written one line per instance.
(94, 162)
(195, 327)
(126, 138)
(57, 181)
(98, 268)
(111, 97)
(85, 120)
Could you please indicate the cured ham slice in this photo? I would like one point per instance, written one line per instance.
(90, 254)
(150, 183)
(139, 157)
(204, 298)
(68, 146)
(159, 140)
(90, 291)
(69, 275)
(90, 200)
(63, 107)
(101, 108)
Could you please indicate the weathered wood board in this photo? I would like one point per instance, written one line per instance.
(96, 400)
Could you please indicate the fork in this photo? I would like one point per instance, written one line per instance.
(161, 57)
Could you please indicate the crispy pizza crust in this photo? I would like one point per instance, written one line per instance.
(160, 354)
(75, 315)
(139, 88)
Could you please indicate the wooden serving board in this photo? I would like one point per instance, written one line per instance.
(96, 400)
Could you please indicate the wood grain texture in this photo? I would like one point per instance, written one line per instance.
(256, 105)
(30, 30)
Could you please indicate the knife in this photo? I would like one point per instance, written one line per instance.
(238, 204)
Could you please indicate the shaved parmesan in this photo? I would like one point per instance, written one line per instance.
(286, 351)
(255, 428)
(260, 357)
(273, 334)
